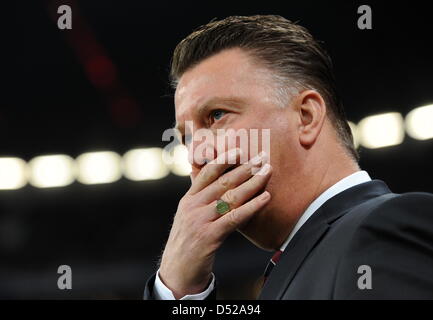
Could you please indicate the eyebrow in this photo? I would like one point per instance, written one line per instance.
(208, 104)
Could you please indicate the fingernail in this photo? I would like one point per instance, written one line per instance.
(265, 196)
(259, 159)
(266, 169)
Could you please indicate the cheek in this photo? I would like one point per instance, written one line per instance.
(263, 131)
(282, 140)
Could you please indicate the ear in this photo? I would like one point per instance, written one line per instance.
(311, 110)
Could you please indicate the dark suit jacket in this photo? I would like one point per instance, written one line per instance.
(366, 225)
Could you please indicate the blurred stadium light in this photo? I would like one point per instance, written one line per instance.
(144, 164)
(99, 167)
(381, 131)
(180, 165)
(13, 173)
(52, 171)
(419, 123)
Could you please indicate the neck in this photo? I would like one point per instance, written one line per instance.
(315, 176)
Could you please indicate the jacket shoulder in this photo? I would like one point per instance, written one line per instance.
(394, 242)
(415, 208)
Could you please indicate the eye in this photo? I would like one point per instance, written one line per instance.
(217, 114)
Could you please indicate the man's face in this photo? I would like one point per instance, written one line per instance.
(230, 91)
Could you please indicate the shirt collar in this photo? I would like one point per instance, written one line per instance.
(342, 185)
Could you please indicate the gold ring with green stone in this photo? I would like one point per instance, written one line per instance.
(222, 207)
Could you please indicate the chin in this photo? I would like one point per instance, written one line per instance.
(257, 232)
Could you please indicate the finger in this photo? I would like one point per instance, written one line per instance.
(239, 216)
(232, 179)
(238, 196)
(211, 171)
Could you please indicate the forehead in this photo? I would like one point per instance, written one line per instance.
(226, 75)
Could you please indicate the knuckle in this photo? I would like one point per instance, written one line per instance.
(192, 189)
(224, 181)
(203, 175)
(185, 198)
(233, 219)
(207, 174)
(230, 197)
(187, 205)
(253, 205)
(184, 201)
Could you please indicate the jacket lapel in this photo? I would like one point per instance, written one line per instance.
(312, 232)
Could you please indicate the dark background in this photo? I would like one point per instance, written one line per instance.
(103, 86)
